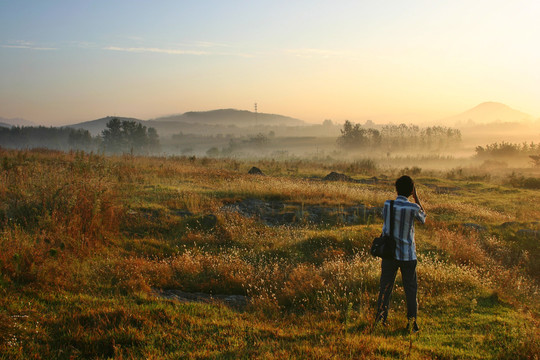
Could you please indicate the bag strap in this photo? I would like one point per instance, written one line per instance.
(392, 218)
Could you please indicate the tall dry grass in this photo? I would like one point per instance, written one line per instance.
(121, 227)
(479, 255)
(53, 205)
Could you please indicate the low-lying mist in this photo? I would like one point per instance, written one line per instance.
(496, 146)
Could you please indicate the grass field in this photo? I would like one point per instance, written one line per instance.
(88, 243)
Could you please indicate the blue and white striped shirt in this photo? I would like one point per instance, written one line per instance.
(404, 214)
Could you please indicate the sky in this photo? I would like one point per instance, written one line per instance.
(416, 61)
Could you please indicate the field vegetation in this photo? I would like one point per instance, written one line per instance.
(93, 246)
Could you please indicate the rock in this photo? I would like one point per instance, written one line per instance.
(255, 171)
(334, 176)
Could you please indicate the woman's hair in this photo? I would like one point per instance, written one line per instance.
(405, 186)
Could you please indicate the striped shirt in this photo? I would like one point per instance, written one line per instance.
(404, 214)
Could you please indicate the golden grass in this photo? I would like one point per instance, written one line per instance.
(103, 233)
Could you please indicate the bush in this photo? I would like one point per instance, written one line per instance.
(520, 181)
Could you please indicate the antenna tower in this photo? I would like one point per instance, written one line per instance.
(256, 115)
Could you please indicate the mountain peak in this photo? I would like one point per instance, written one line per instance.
(491, 105)
(232, 117)
(491, 112)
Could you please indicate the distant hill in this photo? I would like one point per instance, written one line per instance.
(97, 126)
(204, 122)
(15, 122)
(489, 112)
(232, 117)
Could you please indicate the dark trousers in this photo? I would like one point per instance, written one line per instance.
(389, 268)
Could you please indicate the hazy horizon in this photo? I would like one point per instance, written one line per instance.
(65, 62)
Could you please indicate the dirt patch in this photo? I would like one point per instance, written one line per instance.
(275, 213)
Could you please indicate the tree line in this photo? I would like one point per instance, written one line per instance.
(119, 137)
(506, 149)
(396, 137)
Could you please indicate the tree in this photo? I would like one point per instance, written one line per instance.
(63, 138)
(80, 139)
(153, 141)
(355, 136)
(113, 137)
(535, 160)
(374, 137)
(128, 136)
(258, 140)
(136, 137)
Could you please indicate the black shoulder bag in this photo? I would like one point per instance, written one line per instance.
(385, 246)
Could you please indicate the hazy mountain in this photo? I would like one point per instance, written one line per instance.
(492, 122)
(489, 112)
(232, 117)
(97, 126)
(206, 122)
(15, 122)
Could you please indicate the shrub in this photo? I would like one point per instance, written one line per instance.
(520, 181)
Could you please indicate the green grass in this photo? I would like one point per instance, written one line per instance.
(85, 240)
(65, 325)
